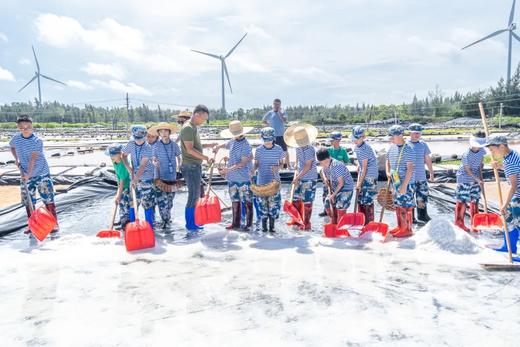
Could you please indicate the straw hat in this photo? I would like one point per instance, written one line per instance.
(300, 135)
(235, 130)
(155, 129)
(184, 114)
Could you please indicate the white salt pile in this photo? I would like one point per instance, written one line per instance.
(442, 234)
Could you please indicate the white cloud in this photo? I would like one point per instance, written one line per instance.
(3, 37)
(6, 75)
(79, 85)
(131, 88)
(114, 71)
(24, 61)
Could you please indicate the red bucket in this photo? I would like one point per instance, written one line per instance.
(41, 223)
(139, 235)
(207, 210)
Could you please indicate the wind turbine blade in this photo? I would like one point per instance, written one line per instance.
(32, 79)
(227, 75)
(498, 32)
(232, 49)
(36, 59)
(52, 79)
(208, 54)
(512, 14)
(515, 36)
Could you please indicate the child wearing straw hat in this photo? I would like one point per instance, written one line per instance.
(122, 198)
(268, 160)
(510, 208)
(301, 136)
(142, 171)
(469, 179)
(166, 157)
(367, 173)
(237, 173)
(400, 170)
(341, 183)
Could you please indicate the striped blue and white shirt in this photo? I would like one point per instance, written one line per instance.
(239, 149)
(421, 151)
(137, 153)
(304, 154)
(474, 161)
(334, 171)
(166, 155)
(365, 152)
(267, 158)
(24, 148)
(512, 167)
(408, 156)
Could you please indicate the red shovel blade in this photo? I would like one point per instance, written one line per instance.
(375, 227)
(289, 208)
(108, 233)
(139, 235)
(487, 221)
(351, 221)
(329, 230)
(41, 223)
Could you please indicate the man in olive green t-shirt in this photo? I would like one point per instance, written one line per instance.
(192, 158)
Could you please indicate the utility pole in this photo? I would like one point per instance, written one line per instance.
(500, 116)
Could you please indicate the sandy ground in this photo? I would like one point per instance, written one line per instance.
(10, 195)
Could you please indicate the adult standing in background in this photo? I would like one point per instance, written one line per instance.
(276, 119)
(192, 158)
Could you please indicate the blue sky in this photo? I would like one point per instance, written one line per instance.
(305, 52)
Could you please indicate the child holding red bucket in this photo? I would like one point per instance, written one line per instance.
(27, 150)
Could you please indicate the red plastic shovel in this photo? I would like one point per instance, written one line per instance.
(351, 221)
(110, 232)
(486, 221)
(138, 234)
(378, 227)
(290, 209)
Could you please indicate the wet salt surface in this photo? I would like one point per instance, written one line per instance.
(230, 289)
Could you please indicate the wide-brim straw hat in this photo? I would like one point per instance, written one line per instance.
(235, 129)
(184, 115)
(155, 129)
(300, 135)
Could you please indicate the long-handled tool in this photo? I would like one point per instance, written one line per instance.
(290, 209)
(330, 229)
(351, 221)
(486, 220)
(41, 222)
(379, 227)
(498, 266)
(138, 234)
(110, 232)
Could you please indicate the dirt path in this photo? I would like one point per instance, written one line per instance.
(10, 195)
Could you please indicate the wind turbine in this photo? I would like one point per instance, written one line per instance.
(37, 76)
(511, 27)
(223, 69)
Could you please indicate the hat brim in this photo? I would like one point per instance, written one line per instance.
(155, 129)
(473, 142)
(227, 134)
(312, 135)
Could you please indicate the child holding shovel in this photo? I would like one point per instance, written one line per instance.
(27, 150)
(511, 206)
(115, 151)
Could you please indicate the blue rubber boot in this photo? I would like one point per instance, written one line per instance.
(189, 215)
(149, 215)
(131, 214)
(513, 238)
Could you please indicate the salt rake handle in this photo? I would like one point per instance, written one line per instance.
(134, 200)
(384, 205)
(114, 211)
(485, 199)
(29, 199)
(291, 197)
(499, 187)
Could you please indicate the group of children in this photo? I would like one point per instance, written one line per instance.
(155, 157)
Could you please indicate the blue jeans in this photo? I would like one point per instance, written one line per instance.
(192, 174)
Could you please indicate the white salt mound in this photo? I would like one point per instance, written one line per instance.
(442, 234)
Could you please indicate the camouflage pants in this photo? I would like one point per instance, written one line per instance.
(269, 206)
(124, 207)
(145, 194)
(405, 200)
(467, 192)
(368, 192)
(240, 192)
(164, 201)
(305, 191)
(341, 202)
(513, 216)
(44, 186)
(421, 193)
